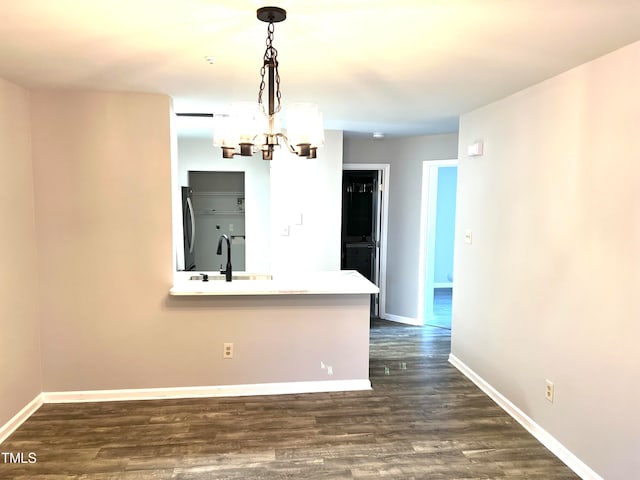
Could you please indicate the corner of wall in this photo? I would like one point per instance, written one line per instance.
(21, 377)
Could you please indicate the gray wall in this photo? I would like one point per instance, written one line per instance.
(405, 155)
(94, 170)
(20, 380)
(549, 287)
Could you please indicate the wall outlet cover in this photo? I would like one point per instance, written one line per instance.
(549, 390)
(227, 351)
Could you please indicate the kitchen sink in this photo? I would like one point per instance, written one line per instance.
(235, 276)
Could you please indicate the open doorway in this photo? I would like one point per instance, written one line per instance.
(364, 225)
(219, 209)
(439, 185)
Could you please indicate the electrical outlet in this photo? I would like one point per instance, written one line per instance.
(548, 390)
(329, 370)
(227, 351)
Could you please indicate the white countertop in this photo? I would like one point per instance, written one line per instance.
(309, 283)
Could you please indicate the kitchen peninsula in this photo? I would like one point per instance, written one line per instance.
(300, 332)
(343, 282)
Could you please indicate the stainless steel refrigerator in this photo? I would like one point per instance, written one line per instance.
(188, 229)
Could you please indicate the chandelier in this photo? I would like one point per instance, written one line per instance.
(251, 127)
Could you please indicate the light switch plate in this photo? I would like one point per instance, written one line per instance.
(284, 231)
(468, 237)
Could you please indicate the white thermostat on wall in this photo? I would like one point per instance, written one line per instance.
(475, 149)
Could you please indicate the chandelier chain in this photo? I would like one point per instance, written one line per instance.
(270, 57)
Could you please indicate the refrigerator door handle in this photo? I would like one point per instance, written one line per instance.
(192, 239)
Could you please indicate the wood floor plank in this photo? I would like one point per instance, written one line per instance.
(422, 420)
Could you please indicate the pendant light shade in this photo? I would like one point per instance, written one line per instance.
(239, 130)
(304, 128)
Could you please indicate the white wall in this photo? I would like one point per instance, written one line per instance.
(549, 287)
(277, 193)
(20, 380)
(199, 154)
(405, 156)
(311, 188)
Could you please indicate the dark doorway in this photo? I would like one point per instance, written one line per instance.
(361, 224)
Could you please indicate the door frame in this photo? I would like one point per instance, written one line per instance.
(428, 208)
(383, 170)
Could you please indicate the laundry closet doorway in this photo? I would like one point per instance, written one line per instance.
(219, 208)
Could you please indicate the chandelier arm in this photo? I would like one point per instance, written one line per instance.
(304, 150)
(286, 142)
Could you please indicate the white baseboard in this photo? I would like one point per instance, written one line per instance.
(180, 392)
(212, 391)
(544, 437)
(20, 417)
(401, 319)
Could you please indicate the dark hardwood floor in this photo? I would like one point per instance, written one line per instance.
(423, 420)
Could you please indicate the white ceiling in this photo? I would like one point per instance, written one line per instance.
(397, 66)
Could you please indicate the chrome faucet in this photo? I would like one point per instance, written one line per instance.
(226, 271)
